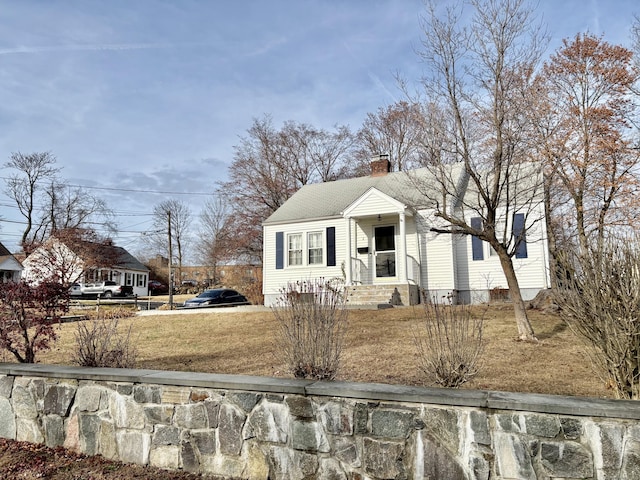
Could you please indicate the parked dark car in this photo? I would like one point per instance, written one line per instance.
(157, 288)
(217, 297)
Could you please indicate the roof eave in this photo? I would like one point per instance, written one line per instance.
(301, 220)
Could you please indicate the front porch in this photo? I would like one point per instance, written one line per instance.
(382, 250)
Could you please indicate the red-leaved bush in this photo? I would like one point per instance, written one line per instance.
(27, 315)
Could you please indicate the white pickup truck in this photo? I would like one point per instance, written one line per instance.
(106, 289)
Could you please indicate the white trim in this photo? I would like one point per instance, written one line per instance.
(394, 205)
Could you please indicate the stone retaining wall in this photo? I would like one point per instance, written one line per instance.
(268, 428)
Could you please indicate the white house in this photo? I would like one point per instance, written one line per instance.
(10, 267)
(377, 233)
(87, 262)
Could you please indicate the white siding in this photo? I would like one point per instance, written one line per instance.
(374, 205)
(275, 279)
(438, 272)
(480, 276)
(53, 259)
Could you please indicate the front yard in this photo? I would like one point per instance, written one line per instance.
(379, 348)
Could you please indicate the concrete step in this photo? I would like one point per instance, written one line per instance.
(377, 294)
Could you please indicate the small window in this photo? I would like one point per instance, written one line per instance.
(520, 235)
(314, 244)
(476, 244)
(141, 280)
(295, 249)
(128, 279)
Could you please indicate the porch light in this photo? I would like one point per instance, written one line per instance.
(379, 218)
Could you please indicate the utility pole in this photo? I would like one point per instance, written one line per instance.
(170, 261)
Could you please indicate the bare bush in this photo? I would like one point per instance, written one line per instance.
(28, 313)
(100, 342)
(312, 322)
(449, 343)
(601, 303)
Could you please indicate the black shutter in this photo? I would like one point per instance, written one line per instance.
(476, 243)
(279, 250)
(331, 246)
(519, 235)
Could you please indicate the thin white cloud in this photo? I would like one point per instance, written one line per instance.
(100, 47)
(372, 76)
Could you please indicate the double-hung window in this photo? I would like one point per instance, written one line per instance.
(314, 246)
(295, 249)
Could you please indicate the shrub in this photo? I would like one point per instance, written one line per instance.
(449, 343)
(100, 342)
(312, 322)
(601, 303)
(27, 315)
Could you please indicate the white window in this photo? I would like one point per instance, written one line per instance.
(295, 249)
(128, 279)
(314, 245)
(141, 280)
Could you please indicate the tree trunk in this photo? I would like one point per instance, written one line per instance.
(551, 239)
(525, 330)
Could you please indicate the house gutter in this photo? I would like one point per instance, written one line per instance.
(298, 220)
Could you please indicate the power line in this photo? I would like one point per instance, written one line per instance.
(132, 190)
(119, 213)
(97, 224)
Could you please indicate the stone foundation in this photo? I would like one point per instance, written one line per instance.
(268, 428)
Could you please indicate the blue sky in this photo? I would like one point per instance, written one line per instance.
(152, 95)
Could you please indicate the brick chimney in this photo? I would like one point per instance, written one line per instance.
(380, 165)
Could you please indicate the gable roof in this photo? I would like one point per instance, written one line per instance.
(94, 253)
(328, 200)
(126, 260)
(4, 251)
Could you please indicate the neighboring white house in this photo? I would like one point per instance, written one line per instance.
(376, 233)
(10, 267)
(91, 263)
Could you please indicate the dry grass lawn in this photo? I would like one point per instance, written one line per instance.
(379, 348)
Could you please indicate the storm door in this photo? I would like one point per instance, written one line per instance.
(385, 251)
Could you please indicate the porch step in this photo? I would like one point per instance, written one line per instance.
(377, 294)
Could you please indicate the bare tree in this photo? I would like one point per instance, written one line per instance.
(269, 166)
(215, 242)
(34, 170)
(480, 76)
(396, 129)
(171, 217)
(66, 207)
(48, 204)
(329, 152)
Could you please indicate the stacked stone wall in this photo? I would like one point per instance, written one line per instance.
(266, 428)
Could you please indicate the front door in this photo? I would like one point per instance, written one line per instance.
(385, 251)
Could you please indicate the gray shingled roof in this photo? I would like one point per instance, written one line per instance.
(330, 199)
(128, 261)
